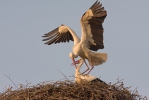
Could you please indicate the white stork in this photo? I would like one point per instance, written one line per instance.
(91, 40)
(83, 79)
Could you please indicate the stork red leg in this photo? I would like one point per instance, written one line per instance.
(86, 66)
(90, 69)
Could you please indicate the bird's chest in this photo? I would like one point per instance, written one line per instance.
(77, 50)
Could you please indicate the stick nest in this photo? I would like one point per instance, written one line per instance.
(68, 90)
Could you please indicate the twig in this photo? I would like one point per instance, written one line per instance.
(62, 74)
(11, 81)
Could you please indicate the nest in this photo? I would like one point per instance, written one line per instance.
(68, 90)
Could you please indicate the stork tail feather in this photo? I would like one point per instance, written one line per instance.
(99, 59)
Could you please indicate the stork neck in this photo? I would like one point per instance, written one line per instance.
(77, 71)
(74, 35)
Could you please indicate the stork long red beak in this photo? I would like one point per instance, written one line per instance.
(74, 62)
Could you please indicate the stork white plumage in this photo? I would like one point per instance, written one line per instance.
(83, 79)
(91, 40)
(79, 77)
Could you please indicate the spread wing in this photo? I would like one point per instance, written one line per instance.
(60, 34)
(92, 29)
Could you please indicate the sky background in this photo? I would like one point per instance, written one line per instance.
(24, 56)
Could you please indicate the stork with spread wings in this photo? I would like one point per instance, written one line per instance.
(91, 40)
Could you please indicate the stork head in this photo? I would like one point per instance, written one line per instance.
(72, 56)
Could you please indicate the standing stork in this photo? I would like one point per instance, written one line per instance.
(91, 40)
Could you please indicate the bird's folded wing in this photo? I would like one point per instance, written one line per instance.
(88, 78)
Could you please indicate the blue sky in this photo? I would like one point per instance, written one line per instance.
(24, 56)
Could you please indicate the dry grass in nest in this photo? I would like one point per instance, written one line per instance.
(68, 90)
